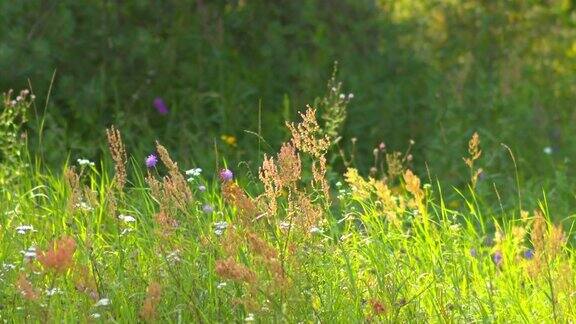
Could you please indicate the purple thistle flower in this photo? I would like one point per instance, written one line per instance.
(207, 209)
(497, 258)
(528, 254)
(473, 252)
(160, 106)
(151, 161)
(226, 175)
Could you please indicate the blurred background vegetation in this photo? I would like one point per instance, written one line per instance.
(431, 71)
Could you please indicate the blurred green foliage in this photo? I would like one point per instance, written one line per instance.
(432, 71)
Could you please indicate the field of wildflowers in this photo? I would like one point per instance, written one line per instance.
(145, 238)
(186, 161)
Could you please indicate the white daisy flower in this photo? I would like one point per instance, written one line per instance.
(102, 302)
(316, 230)
(53, 291)
(220, 227)
(23, 229)
(30, 253)
(127, 218)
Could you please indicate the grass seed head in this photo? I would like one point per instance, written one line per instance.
(25, 287)
(166, 224)
(118, 152)
(175, 184)
(413, 186)
(75, 191)
(394, 164)
(232, 270)
(289, 165)
(59, 257)
(148, 311)
(245, 206)
(272, 184)
(474, 152)
(307, 135)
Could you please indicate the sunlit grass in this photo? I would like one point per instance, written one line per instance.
(368, 249)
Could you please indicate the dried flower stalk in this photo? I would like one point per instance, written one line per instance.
(118, 152)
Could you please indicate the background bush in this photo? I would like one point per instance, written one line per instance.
(432, 71)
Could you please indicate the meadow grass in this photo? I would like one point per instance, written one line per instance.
(152, 242)
(425, 70)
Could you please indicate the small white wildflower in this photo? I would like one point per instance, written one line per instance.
(284, 225)
(84, 206)
(13, 102)
(25, 92)
(95, 315)
(338, 184)
(127, 218)
(85, 162)
(249, 318)
(102, 302)
(221, 285)
(342, 96)
(23, 229)
(174, 257)
(334, 89)
(350, 96)
(194, 172)
(548, 150)
(8, 266)
(18, 98)
(221, 225)
(218, 232)
(316, 230)
(30, 253)
(53, 291)
(33, 97)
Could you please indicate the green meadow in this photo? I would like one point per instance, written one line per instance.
(365, 161)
